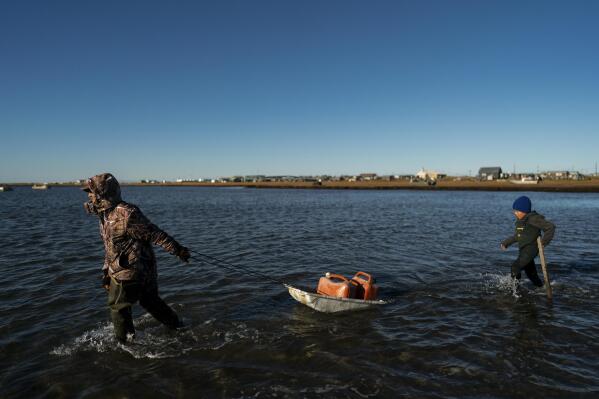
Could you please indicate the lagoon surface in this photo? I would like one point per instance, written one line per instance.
(457, 327)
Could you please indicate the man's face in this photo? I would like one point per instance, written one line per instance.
(91, 206)
(519, 214)
(92, 197)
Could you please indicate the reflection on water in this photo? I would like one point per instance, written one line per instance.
(457, 325)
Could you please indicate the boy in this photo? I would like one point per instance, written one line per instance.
(529, 225)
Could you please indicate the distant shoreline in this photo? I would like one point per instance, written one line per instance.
(582, 186)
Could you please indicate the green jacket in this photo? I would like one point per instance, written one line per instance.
(529, 228)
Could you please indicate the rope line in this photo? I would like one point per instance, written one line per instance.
(214, 261)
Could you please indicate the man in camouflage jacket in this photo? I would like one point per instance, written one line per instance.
(129, 265)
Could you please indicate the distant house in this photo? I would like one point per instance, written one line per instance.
(367, 176)
(255, 178)
(429, 175)
(489, 173)
(563, 175)
(404, 177)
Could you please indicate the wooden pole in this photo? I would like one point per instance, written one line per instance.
(544, 267)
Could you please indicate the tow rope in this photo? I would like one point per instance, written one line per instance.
(214, 261)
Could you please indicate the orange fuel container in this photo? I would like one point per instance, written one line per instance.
(336, 285)
(361, 286)
(365, 286)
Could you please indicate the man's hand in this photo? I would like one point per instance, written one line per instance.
(503, 247)
(184, 254)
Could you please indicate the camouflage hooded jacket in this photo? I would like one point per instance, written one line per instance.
(127, 234)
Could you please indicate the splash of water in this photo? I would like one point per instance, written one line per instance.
(99, 340)
(156, 342)
(493, 283)
(149, 342)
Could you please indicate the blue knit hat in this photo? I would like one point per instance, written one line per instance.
(522, 204)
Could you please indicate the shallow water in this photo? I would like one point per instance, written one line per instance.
(457, 326)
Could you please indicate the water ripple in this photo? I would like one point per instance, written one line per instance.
(457, 325)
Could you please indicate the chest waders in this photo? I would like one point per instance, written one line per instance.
(123, 294)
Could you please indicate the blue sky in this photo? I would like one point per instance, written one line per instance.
(191, 89)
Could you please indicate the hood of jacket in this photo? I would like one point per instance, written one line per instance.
(107, 190)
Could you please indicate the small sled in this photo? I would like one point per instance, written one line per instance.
(335, 293)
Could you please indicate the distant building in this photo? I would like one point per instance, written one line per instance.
(404, 177)
(254, 178)
(429, 175)
(489, 173)
(367, 176)
(563, 175)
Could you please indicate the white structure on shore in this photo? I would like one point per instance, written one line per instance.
(429, 175)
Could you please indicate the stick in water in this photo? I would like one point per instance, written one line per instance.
(544, 267)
